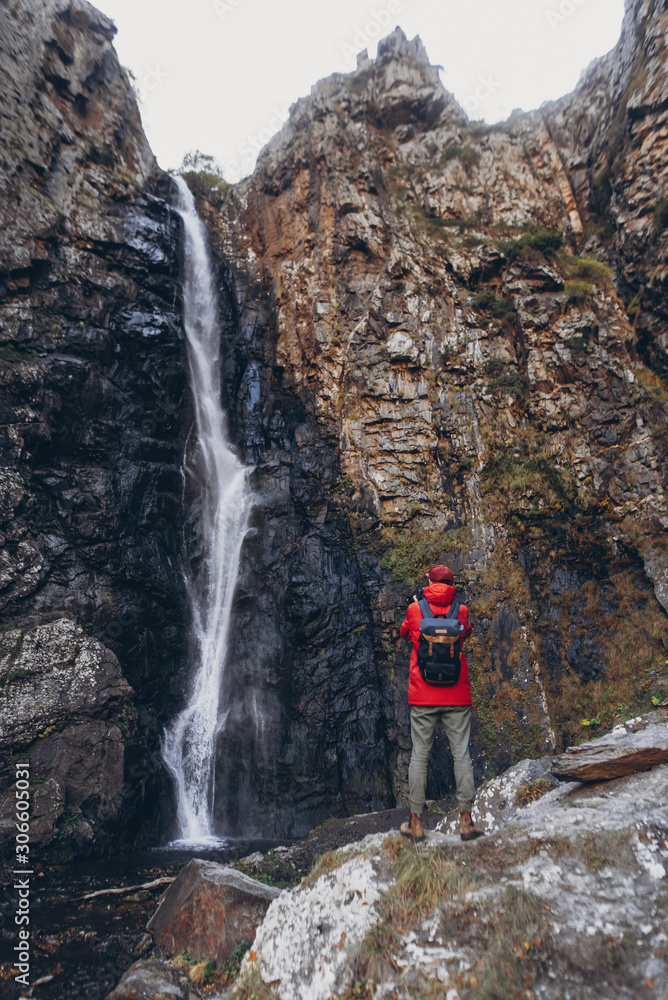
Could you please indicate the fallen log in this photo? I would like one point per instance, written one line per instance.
(130, 888)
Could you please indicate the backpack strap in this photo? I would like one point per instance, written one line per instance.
(425, 609)
(428, 613)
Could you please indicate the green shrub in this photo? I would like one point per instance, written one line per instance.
(576, 345)
(486, 300)
(413, 549)
(232, 967)
(586, 269)
(433, 225)
(505, 379)
(102, 155)
(578, 291)
(539, 238)
(203, 174)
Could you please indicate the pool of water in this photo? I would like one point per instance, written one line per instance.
(81, 947)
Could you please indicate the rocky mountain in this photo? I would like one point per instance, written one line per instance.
(442, 340)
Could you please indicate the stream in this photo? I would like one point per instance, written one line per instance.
(80, 947)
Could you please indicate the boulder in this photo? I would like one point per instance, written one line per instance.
(614, 755)
(208, 910)
(152, 979)
(68, 709)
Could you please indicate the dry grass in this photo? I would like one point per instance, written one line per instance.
(253, 987)
(631, 647)
(514, 948)
(200, 973)
(606, 848)
(531, 791)
(423, 881)
(328, 862)
(655, 385)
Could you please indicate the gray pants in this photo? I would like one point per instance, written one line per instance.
(457, 727)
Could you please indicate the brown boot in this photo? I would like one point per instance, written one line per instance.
(466, 827)
(413, 827)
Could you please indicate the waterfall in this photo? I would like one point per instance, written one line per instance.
(189, 742)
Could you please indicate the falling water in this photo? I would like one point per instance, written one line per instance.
(189, 743)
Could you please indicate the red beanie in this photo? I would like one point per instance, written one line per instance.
(441, 574)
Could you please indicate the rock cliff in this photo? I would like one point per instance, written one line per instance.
(442, 340)
(94, 418)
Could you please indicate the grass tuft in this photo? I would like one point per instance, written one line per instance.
(531, 791)
(413, 549)
(328, 862)
(578, 291)
(586, 269)
(253, 987)
(546, 241)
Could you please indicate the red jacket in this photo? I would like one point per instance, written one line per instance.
(440, 596)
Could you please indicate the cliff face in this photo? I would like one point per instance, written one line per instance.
(93, 425)
(449, 344)
(442, 340)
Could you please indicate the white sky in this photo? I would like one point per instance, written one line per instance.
(220, 75)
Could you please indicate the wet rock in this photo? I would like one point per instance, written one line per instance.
(93, 425)
(209, 910)
(51, 674)
(152, 979)
(614, 755)
(70, 711)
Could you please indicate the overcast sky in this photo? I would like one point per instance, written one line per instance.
(220, 75)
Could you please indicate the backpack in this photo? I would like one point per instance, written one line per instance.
(439, 651)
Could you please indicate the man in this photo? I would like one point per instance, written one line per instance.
(430, 702)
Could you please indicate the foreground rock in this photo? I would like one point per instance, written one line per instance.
(209, 910)
(564, 900)
(306, 936)
(623, 751)
(153, 979)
